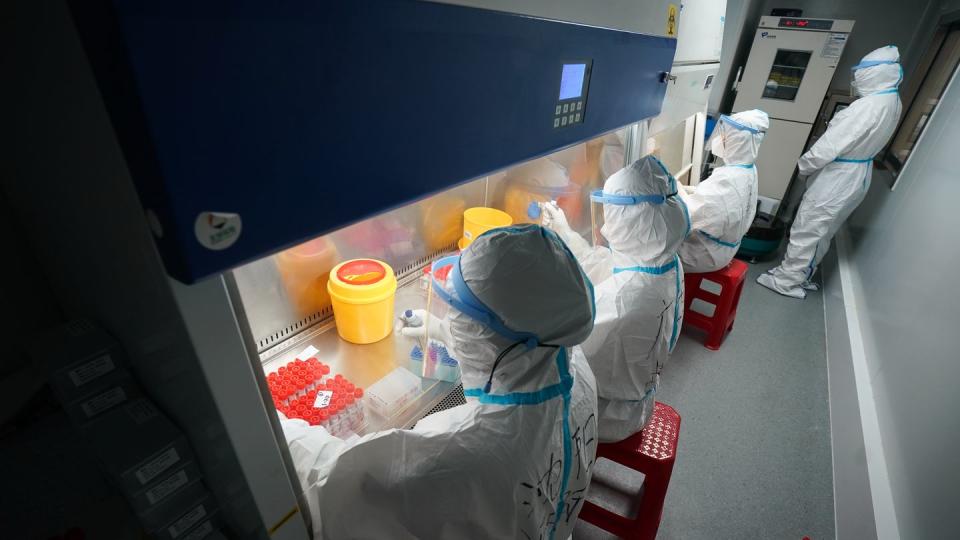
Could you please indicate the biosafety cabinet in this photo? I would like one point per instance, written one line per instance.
(242, 149)
(676, 135)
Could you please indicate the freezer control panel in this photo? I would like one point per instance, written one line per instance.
(805, 24)
(571, 105)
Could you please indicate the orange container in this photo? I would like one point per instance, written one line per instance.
(304, 270)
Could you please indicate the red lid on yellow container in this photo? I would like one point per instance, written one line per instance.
(361, 272)
(361, 281)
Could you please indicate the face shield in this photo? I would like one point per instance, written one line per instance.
(433, 355)
(729, 136)
(449, 297)
(599, 200)
(515, 292)
(716, 140)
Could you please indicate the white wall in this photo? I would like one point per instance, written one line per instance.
(905, 255)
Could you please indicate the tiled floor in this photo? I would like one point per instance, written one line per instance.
(754, 453)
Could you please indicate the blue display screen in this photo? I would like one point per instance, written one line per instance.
(571, 80)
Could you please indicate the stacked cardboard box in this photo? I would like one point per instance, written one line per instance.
(141, 451)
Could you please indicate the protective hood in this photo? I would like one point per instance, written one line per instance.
(517, 284)
(878, 71)
(742, 134)
(648, 232)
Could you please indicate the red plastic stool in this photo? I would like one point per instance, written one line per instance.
(651, 452)
(730, 278)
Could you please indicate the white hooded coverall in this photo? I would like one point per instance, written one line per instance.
(639, 290)
(841, 162)
(723, 206)
(515, 460)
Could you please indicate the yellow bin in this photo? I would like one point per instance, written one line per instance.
(479, 220)
(362, 293)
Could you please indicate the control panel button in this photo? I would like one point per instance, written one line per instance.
(570, 119)
(556, 122)
(577, 117)
(558, 110)
(566, 107)
(563, 121)
(579, 105)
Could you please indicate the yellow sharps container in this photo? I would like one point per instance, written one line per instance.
(362, 293)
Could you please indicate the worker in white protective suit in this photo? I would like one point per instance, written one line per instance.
(841, 163)
(515, 460)
(639, 290)
(723, 206)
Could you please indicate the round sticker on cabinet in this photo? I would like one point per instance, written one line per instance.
(217, 230)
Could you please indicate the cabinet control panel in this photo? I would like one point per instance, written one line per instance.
(571, 104)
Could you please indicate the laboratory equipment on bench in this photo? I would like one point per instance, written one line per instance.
(437, 360)
(436, 363)
(393, 392)
(431, 356)
(247, 174)
(790, 66)
(362, 295)
(411, 319)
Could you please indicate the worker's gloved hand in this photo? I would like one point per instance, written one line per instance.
(555, 219)
(439, 329)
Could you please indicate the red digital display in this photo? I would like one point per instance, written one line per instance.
(814, 24)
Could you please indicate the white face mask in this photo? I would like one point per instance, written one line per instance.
(716, 146)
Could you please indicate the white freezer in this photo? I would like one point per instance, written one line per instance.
(789, 70)
(791, 64)
(781, 148)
